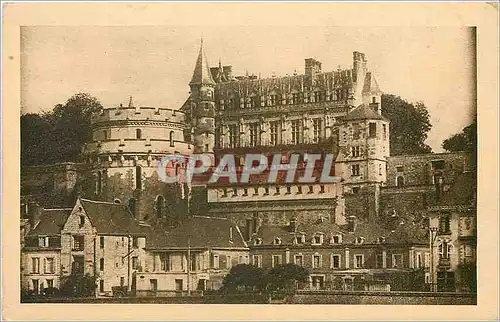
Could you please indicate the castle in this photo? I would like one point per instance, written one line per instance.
(374, 218)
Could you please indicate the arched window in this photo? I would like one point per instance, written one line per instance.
(138, 178)
(117, 201)
(171, 138)
(159, 206)
(138, 134)
(131, 205)
(400, 181)
(277, 241)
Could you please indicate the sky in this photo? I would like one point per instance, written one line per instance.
(434, 65)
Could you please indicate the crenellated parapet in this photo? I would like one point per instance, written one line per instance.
(138, 114)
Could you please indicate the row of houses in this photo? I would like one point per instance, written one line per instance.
(123, 254)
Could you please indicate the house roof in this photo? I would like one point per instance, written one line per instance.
(371, 84)
(198, 232)
(406, 233)
(363, 112)
(202, 74)
(51, 222)
(111, 218)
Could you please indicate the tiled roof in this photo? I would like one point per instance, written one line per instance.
(363, 112)
(51, 222)
(111, 218)
(199, 232)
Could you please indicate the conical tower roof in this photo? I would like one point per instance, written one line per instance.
(201, 74)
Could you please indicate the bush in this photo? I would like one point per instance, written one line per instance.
(78, 286)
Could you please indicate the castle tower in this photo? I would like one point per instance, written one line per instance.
(126, 151)
(201, 106)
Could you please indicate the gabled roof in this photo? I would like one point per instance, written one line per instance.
(363, 112)
(111, 218)
(51, 222)
(202, 74)
(371, 85)
(198, 232)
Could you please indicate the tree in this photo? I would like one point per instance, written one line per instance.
(464, 141)
(284, 277)
(409, 125)
(248, 277)
(78, 286)
(59, 135)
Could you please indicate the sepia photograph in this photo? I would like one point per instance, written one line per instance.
(189, 164)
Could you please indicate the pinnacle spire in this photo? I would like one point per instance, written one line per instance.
(131, 102)
(201, 74)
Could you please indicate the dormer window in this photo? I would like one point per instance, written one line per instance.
(277, 241)
(336, 239)
(317, 239)
(359, 240)
(381, 240)
(257, 241)
(298, 240)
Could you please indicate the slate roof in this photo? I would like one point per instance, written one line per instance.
(111, 218)
(371, 232)
(371, 84)
(200, 232)
(202, 74)
(51, 222)
(363, 112)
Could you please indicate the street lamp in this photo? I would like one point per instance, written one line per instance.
(433, 232)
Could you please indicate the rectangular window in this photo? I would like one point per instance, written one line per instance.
(355, 170)
(50, 267)
(418, 264)
(358, 261)
(78, 242)
(135, 242)
(276, 260)
(35, 265)
(317, 130)
(335, 261)
(101, 286)
(299, 260)
(399, 168)
(135, 262)
(384, 131)
(233, 136)
(355, 131)
(379, 261)
(275, 128)
(193, 262)
(355, 151)
(229, 263)
(257, 260)
(101, 264)
(101, 241)
(50, 283)
(254, 134)
(372, 129)
(316, 261)
(216, 261)
(444, 224)
(296, 128)
(397, 260)
(467, 251)
(35, 286)
(165, 262)
(153, 284)
(82, 220)
(427, 260)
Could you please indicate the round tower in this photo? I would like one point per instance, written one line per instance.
(201, 106)
(125, 153)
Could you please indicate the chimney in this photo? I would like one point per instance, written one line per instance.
(249, 229)
(351, 224)
(358, 65)
(293, 225)
(312, 67)
(228, 72)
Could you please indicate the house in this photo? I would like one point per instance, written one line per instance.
(358, 255)
(453, 222)
(104, 240)
(41, 254)
(196, 255)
